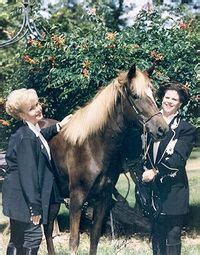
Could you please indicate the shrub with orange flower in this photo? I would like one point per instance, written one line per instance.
(111, 36)
(58, 40)
(29, 60)
(135, 46)
(52, 59)
(4, 123)
(159, 74)
(183, 25)
(87, 64)
(85, 72)
(92, 11)
(33, 42)
(157, 56)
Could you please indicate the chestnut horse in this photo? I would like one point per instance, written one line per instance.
(86, 148)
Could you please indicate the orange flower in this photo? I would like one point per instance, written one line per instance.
(135, 46)
(183, 25)
(92, 11)
(37, 44)
(111, 36)
(52, 59)
(85, 72)
(111, 46)
(159, 74)
(28, 59)
(186, 87)
(157, 56)
(58, 40)
(43, 34)
(4, 122)
(87, 64)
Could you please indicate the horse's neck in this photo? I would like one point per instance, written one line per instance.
(115, 128)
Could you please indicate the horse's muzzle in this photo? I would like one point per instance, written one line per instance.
(161, 132)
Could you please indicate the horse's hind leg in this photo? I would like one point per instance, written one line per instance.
(48, 228)
(98, 217)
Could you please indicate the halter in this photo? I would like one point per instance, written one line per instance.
(141, 120)
(132, 103)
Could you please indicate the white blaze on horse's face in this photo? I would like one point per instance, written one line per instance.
(149, 93)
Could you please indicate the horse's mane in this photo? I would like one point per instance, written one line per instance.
(93, 117)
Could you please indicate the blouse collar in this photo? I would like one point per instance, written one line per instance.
(169, 118)
(35, 128)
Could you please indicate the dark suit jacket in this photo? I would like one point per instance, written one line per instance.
(28, 185)
(172, 155)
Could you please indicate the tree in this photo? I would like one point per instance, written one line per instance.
(73, 63)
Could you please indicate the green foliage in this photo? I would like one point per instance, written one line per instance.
(77, 58)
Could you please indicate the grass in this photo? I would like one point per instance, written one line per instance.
(135, 244)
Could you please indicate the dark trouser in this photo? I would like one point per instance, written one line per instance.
(25, 238)
(166, 235)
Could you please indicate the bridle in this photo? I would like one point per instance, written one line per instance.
(131, 100)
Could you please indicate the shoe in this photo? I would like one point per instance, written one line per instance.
(11, 250)
(30, 251)
(174, 249)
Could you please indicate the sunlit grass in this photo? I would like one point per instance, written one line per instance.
(135, 244)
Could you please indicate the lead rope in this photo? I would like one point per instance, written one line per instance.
(145, 151)
(112, 227)
(145, 147)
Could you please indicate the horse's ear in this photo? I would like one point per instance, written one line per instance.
(131, 72)
(151, 69)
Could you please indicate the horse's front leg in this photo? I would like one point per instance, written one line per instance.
(48, 228)
(98, 217)
(76, 201)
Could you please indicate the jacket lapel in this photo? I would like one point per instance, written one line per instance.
(163, 144)
(41, 145)
(43, 150)
(169, 136)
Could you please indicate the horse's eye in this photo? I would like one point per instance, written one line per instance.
(135, 96)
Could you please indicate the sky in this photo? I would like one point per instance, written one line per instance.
(138, 5)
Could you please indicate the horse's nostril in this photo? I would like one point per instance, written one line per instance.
(161, 132)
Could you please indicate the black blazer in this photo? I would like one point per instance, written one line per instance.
(28, 185)
(173, 152)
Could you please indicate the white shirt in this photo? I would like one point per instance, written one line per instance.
(36, 130)
(156, 144)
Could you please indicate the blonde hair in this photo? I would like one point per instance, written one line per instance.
(19, 99)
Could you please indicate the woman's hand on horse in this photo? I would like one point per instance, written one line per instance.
(36, 219)
(65, 120)
(149, 175)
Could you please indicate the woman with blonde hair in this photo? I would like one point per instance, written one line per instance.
(29, 186)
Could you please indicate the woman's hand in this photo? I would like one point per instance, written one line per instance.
(65, 120)
(149, 175)
(36, 219)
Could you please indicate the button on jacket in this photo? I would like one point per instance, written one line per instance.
(28, 186)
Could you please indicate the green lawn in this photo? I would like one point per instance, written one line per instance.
(135, 244)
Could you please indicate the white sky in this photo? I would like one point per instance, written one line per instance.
(138, 3)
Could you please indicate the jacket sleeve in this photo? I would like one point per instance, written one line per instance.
(28, 174)
(49, 132)
(181, 153)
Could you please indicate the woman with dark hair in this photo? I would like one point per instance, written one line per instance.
(165, 165)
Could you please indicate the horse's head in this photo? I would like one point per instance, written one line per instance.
(140, 104)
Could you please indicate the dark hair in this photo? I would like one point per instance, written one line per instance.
(180, 89)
